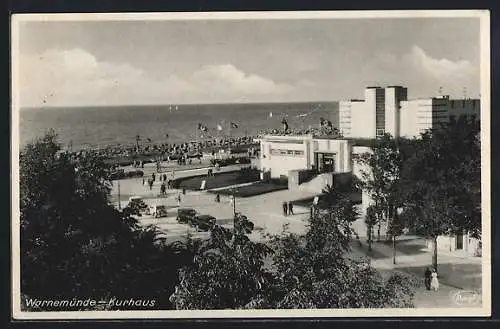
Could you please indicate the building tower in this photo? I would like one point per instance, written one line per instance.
(393, 97)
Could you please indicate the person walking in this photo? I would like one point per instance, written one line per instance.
(150, 183)
(290, 208)
(217, 198)
(434, 281)
(153, 177)
(285, 209)
(163, 189)
(427, 278)
(179, 199)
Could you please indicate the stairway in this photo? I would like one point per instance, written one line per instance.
(318, 183)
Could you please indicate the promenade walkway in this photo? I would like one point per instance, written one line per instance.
(457, 273)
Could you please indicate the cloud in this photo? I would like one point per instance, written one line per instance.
(423, 74)
(76, 77)
(438, 68)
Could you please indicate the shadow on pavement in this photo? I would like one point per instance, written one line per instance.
(361, 251)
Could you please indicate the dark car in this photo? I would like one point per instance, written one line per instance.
(186, 215)
(204, 222)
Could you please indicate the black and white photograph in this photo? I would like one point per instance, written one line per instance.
(251, 165)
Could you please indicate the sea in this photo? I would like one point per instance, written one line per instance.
(83, 127)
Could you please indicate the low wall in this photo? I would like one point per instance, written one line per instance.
(297, 177)
(342, 179)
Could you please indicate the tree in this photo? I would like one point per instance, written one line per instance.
(383, 166)
(441, 182)
(227, 272)
(370, 221)
(75, 243)
(381, 179)
(315, 271)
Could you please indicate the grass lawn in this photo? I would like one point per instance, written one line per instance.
(254, 189)
(218, 180)
(307, 202)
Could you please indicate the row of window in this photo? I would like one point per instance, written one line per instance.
(287, 152)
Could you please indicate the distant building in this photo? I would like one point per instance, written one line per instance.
(388, 110)
(420, 115)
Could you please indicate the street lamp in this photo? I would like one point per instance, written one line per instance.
(233, 201)
(399, 211)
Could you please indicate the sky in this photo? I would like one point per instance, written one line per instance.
(94, 63)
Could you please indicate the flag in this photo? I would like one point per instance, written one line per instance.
(202, 127)
(219, 127)
(285, 125)
(234, 125)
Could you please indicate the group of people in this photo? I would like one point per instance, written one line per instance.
(322, 131)
(163, 178)
(287, 208)
(173, 149)
(431, 279)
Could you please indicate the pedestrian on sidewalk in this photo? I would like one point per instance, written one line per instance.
(290, 207)
(150, 183)
(285, 208)
(427, 278)
(163, 189)
(434, 281)
(179, 199)
(217, 198)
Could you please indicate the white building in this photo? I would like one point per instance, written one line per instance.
(387, 110)
(280, 154)
(419, 115)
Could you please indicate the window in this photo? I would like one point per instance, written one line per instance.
(380, 132)
(283, 152)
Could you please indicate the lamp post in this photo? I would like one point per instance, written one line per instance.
(399, 210)
(119, 203)
(233, 200)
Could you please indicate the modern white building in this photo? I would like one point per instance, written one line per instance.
(280, 154)
(419, 115)
(388, 110)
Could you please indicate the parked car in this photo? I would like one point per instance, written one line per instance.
(158, 211)
(204, 222)
(138, 204)
(186, 215)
